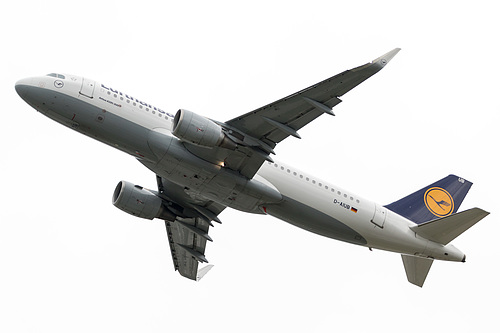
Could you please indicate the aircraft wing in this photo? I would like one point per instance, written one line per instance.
(258, 132)
(276, 121)
(188, 235)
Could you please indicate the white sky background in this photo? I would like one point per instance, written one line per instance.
(71, 262)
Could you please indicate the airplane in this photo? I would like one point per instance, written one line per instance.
(204, 165)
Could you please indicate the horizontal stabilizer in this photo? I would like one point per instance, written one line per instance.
(446, 229)
(416, 268)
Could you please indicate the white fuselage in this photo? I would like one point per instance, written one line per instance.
(141, 130)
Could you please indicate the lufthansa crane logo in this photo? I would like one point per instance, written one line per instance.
(439, 202)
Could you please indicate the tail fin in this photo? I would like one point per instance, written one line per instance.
(437, 200)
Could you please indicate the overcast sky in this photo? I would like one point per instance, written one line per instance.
(71, 262)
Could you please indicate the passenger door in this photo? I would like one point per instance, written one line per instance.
(87, 88)
(379, 216)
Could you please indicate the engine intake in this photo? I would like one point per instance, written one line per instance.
(140, 202)
(198, 130)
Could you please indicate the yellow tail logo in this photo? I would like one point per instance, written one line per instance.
(439, 202)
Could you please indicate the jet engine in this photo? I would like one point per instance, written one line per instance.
(198, 130)
(140, 202)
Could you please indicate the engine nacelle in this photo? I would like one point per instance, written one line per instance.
(198, 130)
(140, 202)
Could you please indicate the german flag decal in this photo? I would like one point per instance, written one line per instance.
(354, 210)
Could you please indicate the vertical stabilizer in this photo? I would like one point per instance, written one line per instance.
(416, 268)
(437, 200)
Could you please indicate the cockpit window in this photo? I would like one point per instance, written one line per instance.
(59, 76)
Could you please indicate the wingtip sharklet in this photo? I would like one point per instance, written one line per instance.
(384, 59)
(203, 271)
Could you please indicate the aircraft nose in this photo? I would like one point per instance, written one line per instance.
(23, 86)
